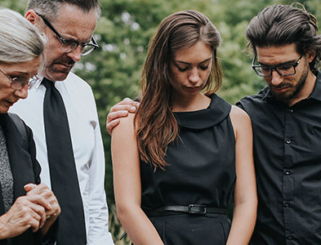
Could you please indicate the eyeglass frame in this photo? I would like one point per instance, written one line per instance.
(13, 82)
(64, 41)
(275, 67)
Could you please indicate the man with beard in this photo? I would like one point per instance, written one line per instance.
(62, 113)
(286, 120)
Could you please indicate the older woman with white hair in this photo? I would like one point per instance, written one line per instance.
(28, 209)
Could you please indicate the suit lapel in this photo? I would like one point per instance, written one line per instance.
(20, 161)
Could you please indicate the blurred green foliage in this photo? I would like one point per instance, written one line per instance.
(123, 33)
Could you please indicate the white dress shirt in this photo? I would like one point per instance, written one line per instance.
(87, 146)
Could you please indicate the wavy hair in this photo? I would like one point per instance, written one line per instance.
(155, 124)
(279, 25)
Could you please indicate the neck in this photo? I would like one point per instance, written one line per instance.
(195, 103)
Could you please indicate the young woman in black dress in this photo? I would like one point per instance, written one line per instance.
(182, 159)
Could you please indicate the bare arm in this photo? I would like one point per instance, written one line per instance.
(127, 185)
(245, 198)
(118, 111)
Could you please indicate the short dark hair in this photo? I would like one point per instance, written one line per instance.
(50, 8)
(279, 25)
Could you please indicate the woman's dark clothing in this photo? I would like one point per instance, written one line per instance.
(201, 170)
(6, 179)
(24, 166)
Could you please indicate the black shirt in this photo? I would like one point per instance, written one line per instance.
(287, 155)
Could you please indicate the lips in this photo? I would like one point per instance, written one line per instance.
(65, 65)
(281, 89)
(193, 88)
(9, 103)
(66, 62)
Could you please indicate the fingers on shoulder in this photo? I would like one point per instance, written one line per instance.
(125, 105)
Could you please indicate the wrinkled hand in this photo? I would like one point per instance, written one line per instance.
(26, 212)
(52, 210)
(119, 110)
(44, 192)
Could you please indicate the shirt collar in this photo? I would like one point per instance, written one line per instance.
(35, 83)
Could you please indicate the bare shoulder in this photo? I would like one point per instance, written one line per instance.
(240, 119)
(126, 125)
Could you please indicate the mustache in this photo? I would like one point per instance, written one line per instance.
(65, 60)
(282, 85)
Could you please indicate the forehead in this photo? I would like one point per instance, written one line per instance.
(74, 22)
(28, 67)
(276, 54)
(197, 53)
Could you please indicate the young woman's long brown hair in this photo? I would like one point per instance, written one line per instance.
(155, 122)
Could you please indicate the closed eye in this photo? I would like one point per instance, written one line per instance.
(266, 68)
(181, 69)
(204, 68)
(285, 67)
(16, 78)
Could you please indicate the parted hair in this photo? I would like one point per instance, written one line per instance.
(20, 40)
(50, 8)
(279, 25)
(155, 123)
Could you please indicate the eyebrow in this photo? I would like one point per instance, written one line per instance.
(13, 73)
(283, 63)
(187, 63)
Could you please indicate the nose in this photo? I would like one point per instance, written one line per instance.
(23, 92)
(276, 78)
(194, 77)
(75, 54)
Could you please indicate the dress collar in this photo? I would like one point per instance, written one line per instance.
(217, 111)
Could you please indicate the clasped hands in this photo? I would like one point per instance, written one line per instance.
(39, 208)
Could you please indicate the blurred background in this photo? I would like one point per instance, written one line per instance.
(123, 32)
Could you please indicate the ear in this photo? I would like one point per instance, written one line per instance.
(32, 17)
(311, 55)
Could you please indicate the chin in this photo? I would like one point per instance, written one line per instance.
(58, 76)
(3, 109)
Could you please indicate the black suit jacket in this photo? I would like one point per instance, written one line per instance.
(24, 166)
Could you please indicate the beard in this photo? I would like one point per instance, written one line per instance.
(295, 89)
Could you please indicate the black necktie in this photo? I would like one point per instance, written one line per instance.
(63, 174)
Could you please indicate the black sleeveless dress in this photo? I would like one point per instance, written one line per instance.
(201, 170)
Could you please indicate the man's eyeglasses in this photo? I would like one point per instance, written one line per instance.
(282, 69)
(17, 83)
(69, 45)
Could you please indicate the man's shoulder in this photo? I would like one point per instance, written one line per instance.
(252, 101)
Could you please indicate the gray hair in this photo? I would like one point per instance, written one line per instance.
(20, 40)
(50, 8)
